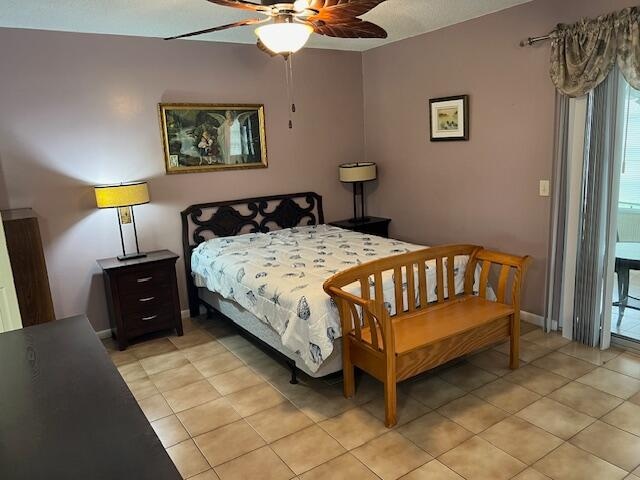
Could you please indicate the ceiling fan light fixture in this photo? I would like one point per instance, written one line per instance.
(300, 5)
(284, 37)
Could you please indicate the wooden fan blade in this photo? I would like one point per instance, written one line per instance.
(241, 4)
(250, 21)
(336, 11)
(353, 28)
(264, 48)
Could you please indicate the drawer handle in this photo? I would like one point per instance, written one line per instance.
(147, 299)
(143, 280)
(147, 319)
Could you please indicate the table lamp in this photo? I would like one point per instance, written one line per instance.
(357, 174)
(123, 197)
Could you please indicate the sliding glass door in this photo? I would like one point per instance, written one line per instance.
(625, 281)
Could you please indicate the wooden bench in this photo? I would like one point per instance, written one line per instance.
(423, 334)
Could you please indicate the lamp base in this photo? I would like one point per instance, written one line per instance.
(131, 256)
(359, 220)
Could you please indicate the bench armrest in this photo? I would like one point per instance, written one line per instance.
(374, 316)
(501, 258)
(338, 292)
(510, 265)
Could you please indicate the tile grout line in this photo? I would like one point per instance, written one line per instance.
(466, 392)
(315, 423)
(595, 419)
(266, 444)
(568, 441)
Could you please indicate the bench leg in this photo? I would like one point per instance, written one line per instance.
(390, 402)
(390, 385)
(514, 350)
(349, 382)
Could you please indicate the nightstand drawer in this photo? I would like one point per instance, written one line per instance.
(149, 320)
(144, 281)
(147, 302)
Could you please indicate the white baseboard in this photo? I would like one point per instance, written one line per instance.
(102, 334)
(536, 319)
(532, 318)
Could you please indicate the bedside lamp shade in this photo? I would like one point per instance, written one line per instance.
(357, 172)
(123, 195)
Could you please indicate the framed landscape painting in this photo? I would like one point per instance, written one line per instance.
(210, 137)
(449, 118)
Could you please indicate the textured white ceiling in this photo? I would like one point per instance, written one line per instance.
(162, 18)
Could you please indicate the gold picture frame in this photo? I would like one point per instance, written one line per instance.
(202, 137)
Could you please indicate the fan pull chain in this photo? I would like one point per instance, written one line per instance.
(286, 76)
(290, 88)
(293, 90)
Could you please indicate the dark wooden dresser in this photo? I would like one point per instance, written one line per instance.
(66, 412)
(142, 295)
(26, 255)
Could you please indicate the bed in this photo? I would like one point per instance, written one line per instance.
(261, 262)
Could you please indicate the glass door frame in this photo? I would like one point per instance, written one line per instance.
(608, 336)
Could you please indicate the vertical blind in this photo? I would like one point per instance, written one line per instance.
(596, 203)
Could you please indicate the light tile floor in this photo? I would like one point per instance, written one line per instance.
(224, 409)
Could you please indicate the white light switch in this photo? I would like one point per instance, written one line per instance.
(544, 188)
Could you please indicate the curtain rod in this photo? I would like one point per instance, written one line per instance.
(533, 40)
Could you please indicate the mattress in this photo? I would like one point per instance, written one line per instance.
(268, 335)
(278, 277)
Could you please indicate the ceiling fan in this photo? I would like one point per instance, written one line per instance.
(289, 24)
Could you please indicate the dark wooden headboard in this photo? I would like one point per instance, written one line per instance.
(203, 221)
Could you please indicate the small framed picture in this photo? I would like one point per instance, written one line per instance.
(449, 118)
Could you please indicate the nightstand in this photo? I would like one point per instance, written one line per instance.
(142, 295)
(371, 225)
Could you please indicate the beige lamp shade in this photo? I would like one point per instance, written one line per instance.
(121, 195)
(357, 172)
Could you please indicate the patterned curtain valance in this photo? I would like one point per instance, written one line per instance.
(583, 54)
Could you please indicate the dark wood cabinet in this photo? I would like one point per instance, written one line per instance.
(370, 225)
(68, 414)
(142, 295)
(28, 266)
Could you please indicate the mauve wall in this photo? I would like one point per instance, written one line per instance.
(78, 110)
(483, 191)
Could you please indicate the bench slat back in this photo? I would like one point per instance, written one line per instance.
(484, 279)
(408, 273)
(363, 287)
